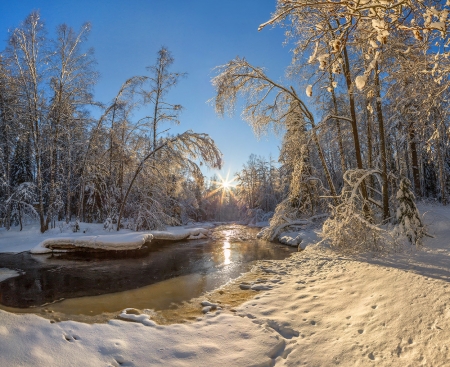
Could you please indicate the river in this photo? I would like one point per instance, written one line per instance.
(156, 278)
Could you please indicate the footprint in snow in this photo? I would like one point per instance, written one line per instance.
(285, 331)
(119, 360)
(71, 338)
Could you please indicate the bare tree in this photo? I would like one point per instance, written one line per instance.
(161, 80)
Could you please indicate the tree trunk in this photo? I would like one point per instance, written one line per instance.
(440, 161)
(384, 176)
(350, 91)
(415, 160)
(369, 143)
(338, 127)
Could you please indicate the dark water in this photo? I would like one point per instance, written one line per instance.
(154, 277)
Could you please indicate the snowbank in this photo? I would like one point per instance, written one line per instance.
(117, 241)
(91, 234)
(114, 242)
(304, 237)
(290, 238)
(180, 233)
(6, 273)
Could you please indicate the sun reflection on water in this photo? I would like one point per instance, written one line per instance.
(226, 253)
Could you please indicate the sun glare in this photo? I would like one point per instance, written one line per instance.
(225, 183)
(224, 187)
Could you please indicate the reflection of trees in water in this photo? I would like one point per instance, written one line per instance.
(57, 277)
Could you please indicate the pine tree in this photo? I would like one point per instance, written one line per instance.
(21, 168)
(409, 223)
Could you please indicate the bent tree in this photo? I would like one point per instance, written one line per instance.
(182, 149)
(267, 103)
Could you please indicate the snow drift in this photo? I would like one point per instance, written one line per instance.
(115, 242)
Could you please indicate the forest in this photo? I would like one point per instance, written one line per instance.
(59, 162)
(124, 243)
(364, 125)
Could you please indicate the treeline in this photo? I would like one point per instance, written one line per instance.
(58, 162)
(378, 78)
(253, 194)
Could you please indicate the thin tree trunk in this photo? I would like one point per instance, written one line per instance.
(369, 142)
(338, 128)
(69, 187)
(136, 173)
(20, 216)
(369, 136)
(385, 192)
(440, 161)
(350, 91)
(415, 160)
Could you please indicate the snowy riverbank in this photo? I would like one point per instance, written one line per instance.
(93, 236)
(320, 309)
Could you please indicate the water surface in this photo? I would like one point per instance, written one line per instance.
(154, 278)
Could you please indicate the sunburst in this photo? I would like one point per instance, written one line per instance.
(224, 185)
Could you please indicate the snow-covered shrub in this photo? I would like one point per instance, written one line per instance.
(409, 225)
(356, 224)
(20, 203)
(108, 224)
(303, 204)
(76, 226)
(151, 215)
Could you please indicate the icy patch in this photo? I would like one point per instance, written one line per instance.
(6, 273)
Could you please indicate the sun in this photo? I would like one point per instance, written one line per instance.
(224, 186)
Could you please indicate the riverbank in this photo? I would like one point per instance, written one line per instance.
(91, 236)
(318, 309)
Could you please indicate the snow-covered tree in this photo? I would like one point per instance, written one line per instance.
(408, 219)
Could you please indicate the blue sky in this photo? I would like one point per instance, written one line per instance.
(201, 34)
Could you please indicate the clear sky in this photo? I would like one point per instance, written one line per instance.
(201, 34)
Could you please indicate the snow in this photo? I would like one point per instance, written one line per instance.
(119, 241)
(180, 233)
(217, 340)
(360, 81)
(290, 238)
(315, 308)
(303, 238)
(92, 235)
(6, 273)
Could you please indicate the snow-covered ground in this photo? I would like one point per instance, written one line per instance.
(319, 309)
